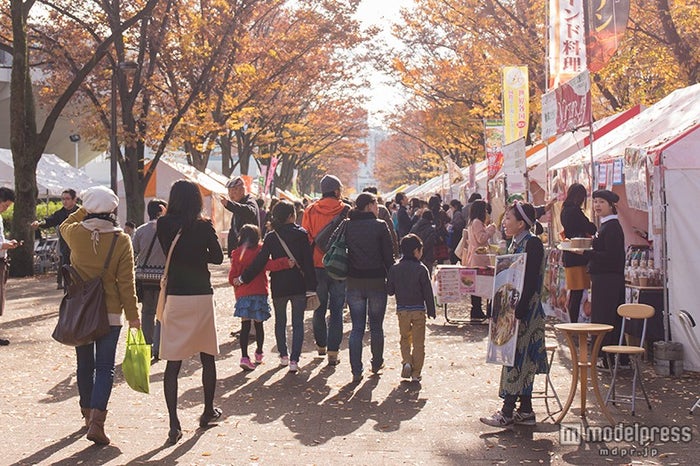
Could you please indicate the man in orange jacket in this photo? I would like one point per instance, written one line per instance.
(331, 293)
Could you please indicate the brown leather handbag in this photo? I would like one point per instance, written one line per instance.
(82, 316)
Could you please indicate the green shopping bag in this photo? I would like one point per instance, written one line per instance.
(137, 361)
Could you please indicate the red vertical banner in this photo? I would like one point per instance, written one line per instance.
(493, 142)
(607, 21)
(567, 40)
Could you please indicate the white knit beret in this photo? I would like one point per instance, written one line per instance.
(99, 200)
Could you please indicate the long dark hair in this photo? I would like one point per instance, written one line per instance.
(576, 195)
(478, 209)
(280, 213)
(185, 202)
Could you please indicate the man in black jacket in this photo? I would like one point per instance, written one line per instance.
(244, 208)
(69, 201)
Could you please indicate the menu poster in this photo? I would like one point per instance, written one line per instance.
(636, 186)
(617, 172)
(503, 328)
(467, 278)
(447, 284)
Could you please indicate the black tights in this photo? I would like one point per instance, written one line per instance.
(172, 369)
(245, 335)
(575, 297)
(509, 404)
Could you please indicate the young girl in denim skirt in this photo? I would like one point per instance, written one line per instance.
(251, 298)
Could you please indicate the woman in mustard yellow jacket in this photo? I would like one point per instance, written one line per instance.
(89, 232)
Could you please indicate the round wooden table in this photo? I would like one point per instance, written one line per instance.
(581, 362)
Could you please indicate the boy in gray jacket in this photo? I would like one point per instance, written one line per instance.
(409, 280)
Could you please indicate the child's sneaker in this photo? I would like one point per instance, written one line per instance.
(497, 420)
(284, 360)
(258, 358)
(406, 371)
(293, 366)
(524, 419)
(321, 350)
(246, 365)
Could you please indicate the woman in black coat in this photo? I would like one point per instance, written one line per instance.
(607, 267)
(290, 285)
(371, 255)
(576, 225)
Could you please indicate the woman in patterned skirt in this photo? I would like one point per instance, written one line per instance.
(530, 357)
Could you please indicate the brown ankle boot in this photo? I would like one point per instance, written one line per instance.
(96, 429)
(86, 416)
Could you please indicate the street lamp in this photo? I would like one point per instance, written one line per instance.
(75, 138)
(128, 66)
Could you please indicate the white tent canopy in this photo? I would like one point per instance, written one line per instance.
(664, 121)
(169, 171)
(53, 175)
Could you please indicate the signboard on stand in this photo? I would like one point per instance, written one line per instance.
(503, 328)
(454, 283)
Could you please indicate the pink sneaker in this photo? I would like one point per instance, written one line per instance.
(259, 358)
(246, 365)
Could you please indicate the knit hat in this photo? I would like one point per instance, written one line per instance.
(99, 200)
(609, 196)
(330, 183)
(235, 182)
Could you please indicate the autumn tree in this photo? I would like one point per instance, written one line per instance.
(29, 136)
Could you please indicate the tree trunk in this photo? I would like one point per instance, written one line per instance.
(226, 159)
(134, 186)
(26, 152)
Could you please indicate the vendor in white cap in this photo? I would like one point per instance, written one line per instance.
(95, 239)
(243, 207)
(607, 267)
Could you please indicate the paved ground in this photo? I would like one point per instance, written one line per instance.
(314, 417)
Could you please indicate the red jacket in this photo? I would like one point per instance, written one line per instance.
(241, 258)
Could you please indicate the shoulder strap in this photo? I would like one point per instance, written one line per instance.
(286, 248)
(109, 254)
(150, 248)
(170, 253)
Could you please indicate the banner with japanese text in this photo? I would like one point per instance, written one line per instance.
(515, 166)
(270, 173)
(567, 40)
(607, 21)
(493, 142)
(567, 107)
(516, 102)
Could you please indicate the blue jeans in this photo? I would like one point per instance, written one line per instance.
(366, 303)
(96, 370)
(331, 294)
(298, 307)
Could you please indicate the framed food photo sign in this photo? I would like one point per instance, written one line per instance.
(503, 328)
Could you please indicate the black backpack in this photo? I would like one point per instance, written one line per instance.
(322, 240)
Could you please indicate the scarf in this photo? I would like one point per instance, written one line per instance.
(97, 226)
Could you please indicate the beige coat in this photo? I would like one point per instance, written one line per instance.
(478, 237)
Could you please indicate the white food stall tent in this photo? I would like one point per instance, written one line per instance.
(668, 135)
(53, 175)
(166, 173)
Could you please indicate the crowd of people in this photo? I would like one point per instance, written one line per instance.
(392, 249)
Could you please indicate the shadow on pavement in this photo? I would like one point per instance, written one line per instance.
(181, 448)
(91, 455)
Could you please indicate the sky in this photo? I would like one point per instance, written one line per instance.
(381, 13)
